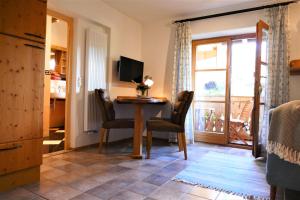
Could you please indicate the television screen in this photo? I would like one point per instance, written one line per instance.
(130, 69)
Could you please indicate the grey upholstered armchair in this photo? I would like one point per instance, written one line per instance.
(108, 118)
(174, 124)
(283, 174)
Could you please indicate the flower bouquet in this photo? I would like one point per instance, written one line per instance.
(143, 87)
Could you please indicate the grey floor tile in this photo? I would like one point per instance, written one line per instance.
(18, 194)
(62, 193)
(43, 186)
(178, 186)
(121, 182)
(85, 196)
(104, 191)
(156, 179)
(191, 197)
(52, 173)
(137, 174)
(84, 184)
(126, 195)
(166, 194)
(142, 188)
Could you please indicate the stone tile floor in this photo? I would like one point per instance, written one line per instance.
(87, 175)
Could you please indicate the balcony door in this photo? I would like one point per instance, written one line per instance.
(211, 101)
(260, 111)
(230, 82)
(224, 76)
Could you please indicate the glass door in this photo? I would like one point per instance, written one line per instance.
(261, 82)
(210, 64)
(242, 90)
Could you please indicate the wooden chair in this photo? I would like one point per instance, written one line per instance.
(174, 124)
(237, 126)
(108, 118)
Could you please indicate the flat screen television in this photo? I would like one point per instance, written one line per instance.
(130, 69)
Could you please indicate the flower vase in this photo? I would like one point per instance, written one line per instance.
(141, 93)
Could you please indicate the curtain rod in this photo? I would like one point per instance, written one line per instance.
(235, 12)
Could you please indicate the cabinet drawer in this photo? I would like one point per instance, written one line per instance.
(21, 89)
(24, 18)
(15, 156)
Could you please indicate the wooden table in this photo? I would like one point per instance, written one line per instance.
(139, 119)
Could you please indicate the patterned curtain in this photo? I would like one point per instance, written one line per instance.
(182, 72)
(278, 56)
(278, 87)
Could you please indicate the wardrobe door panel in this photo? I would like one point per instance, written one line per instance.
(21, 89)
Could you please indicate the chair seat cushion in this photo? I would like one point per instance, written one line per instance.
(159, 118)
(157, 124)
(282, 173)
(119, 123)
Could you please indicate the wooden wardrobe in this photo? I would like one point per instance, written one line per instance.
(22, 43)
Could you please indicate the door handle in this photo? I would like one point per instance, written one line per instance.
(34, 46)
(260, 89)
(34, 35)
(10, 147)
(43, 1)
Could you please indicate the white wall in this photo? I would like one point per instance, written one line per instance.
(125, 39)
(294, 31)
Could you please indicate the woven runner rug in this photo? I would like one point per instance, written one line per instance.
(238, 175)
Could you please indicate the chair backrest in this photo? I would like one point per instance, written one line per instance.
(181, 107)
(247, 111)
(106, 106)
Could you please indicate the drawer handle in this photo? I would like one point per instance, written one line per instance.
(33, 46)
(34, 35)
(10, 147)
(43, 1)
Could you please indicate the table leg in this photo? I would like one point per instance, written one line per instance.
(138, 132)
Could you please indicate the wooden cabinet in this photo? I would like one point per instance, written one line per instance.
(22, 43)
(24, 18)
(21, 89)
(60, 56)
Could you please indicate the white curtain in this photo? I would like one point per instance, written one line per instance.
(182, 71)
(95, 76)
(278, 87)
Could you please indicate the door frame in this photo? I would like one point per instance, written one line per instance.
(69, 21)
(256, 150)
(224, 138)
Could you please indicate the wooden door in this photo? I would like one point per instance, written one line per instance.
(21, 89)
(260, 87)
(211, 75)
(24, 18)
